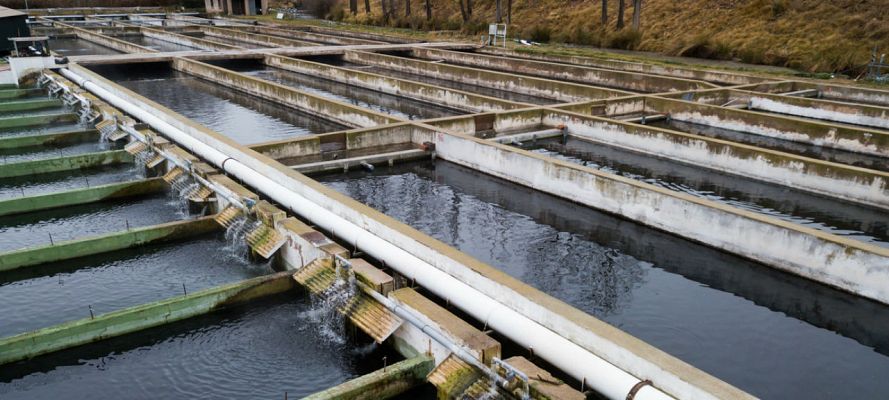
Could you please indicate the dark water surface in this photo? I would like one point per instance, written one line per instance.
(766, 332)
(803, 149)
(79, 47)
(258, 351)
(857, 222)
(396, 106)
(108, 282)
(43, 227)
(244, 118)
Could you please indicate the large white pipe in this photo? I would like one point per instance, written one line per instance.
(599, 375)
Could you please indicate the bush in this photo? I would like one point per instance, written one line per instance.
(319, 8)
(627, 39)
(538, 33)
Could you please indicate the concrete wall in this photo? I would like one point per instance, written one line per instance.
(560, 91)
(635, 82)
(719, 77)
(186, 40)
(846, 182)
(340, 112)
(259, 39)
(434, 94)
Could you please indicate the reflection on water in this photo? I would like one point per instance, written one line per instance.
(752, 326)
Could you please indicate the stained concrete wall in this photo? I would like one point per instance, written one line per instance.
(550, 89)
(719, 77)
(340, 112)
(186, 40)
(841, 181)
(846, 264)
(434, 94)
(254, 38)
(635, 82)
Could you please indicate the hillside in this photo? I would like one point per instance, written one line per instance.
(810, 35)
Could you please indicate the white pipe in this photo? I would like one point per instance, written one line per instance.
(599, 375)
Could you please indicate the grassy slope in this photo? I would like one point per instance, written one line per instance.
(810, 35)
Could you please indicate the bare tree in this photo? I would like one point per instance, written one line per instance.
(621, 6)
(469, 8)
(604, 14)
(367, 6)
(407, 8)
(385, 9)
(637, 11)
(508, 11)
(353, 6)
(498, 14)
(428, 11)
(463, 11)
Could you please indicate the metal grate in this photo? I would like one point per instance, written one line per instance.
(135, 147)
(265, 240)
(226, 216)
(172, 174)
(155, 161)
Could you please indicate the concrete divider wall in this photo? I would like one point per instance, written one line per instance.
(720, 77)
(107, 41)
(68, 163)
(500, 122)
(839, 262)
(310, 36)
(857, 114)
(186, 40)
(859, 140)
(609, 107)
(852, 94)
(339, 112)
(434, 94)
(550, 89)
(50, 139)
(632, 81)
(845, 182)
(255, 38)
(81, 196)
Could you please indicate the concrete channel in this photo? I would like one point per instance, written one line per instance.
(309, 212)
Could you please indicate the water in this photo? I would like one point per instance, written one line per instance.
(34, 229)
(482, 90)
(65, 290)
(156, 44)
(261, 350)
(61, 181)
(396, 106)
(766, 332)
(807, 150)
(44, 152)
(43, 129)
(244, 118)
(864, 224)
(79, 47)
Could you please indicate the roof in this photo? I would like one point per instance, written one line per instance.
(8, 12)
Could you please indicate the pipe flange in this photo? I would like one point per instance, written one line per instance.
(637, 387)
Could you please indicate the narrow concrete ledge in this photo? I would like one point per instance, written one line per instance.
(37, 120)
(382, 383)
(71, 137)
(254, 38)
(81, 196)
(19, 93)
(29, 105)
(359, 162)
(105, 243)
(80, 161)
(134, 319)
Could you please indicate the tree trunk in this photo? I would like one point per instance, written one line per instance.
(508, 11)
(407, 8)
(367, 6)
(463, 11)
(469, 8)
(604, 14)
(621, 5)
(353, 6)
(637, 14)
(385, 10)
(428, 11)
(498, 14)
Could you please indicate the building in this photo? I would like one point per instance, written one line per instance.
(237, 7)
(13, 23)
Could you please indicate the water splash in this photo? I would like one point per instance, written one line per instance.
(141, 161)
(236, 246)
(324, 312)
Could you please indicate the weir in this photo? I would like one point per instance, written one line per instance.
(476, 223)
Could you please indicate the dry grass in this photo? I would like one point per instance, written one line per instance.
(810, 35)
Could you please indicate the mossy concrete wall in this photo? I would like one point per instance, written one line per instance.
(28, 105)
(545, 88)
(336, 111)
(186, 40)
(434, 94)
(383, 383)
(36, 120)
(134, 319)
(254, 38)
(81, 196)
(80, 161)
(631, 81)
(7, 94)
(49, 139)
(105, 243)
(313, 36)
